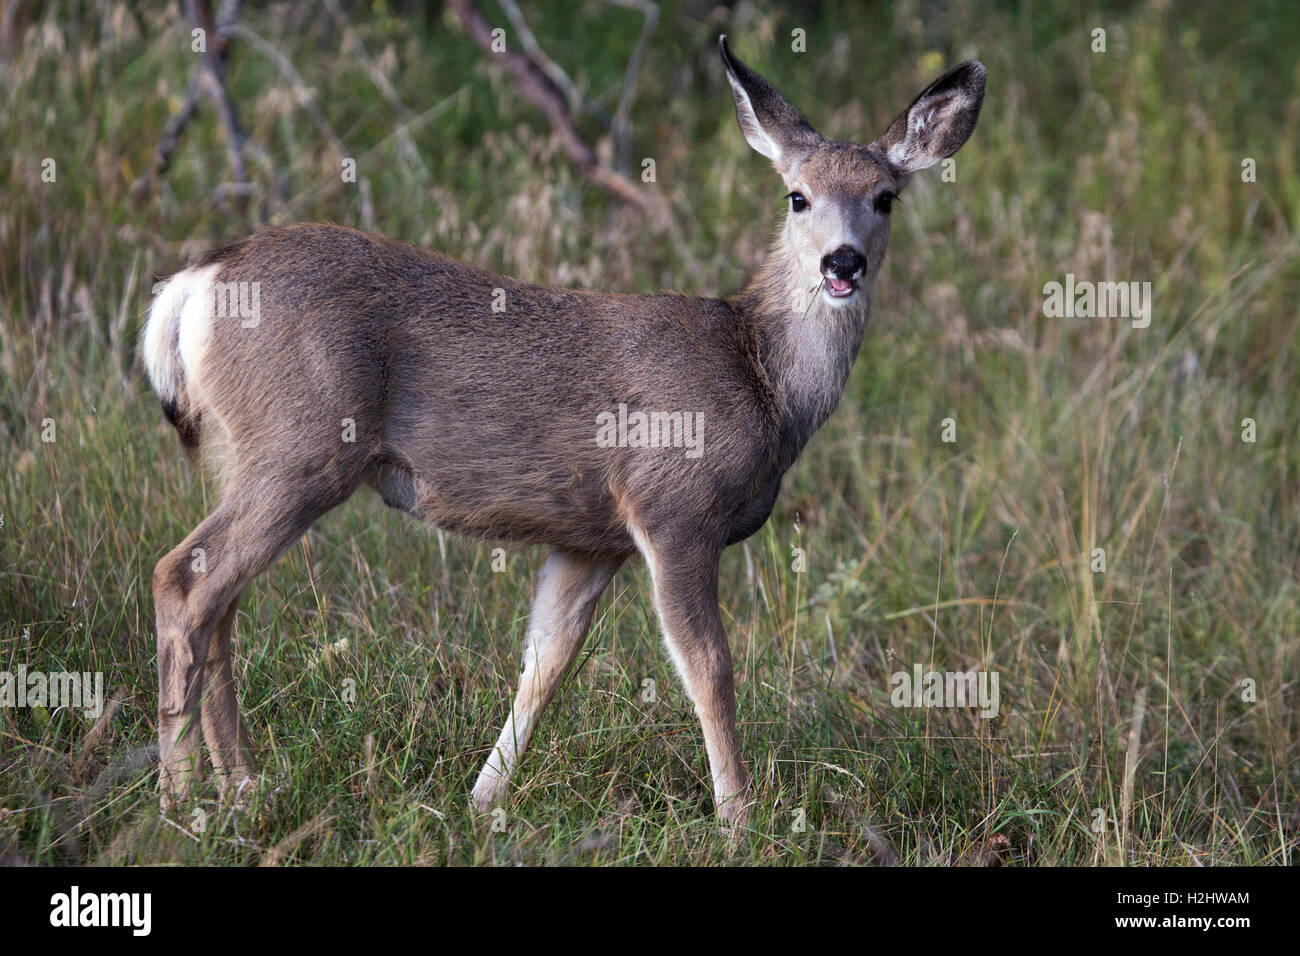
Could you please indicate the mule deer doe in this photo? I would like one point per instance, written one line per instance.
(484, 421)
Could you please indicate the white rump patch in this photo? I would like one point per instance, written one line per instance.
(178, 330)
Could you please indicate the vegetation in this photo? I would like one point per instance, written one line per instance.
(1070, 435)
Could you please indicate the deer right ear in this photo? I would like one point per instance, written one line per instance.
(769, 121)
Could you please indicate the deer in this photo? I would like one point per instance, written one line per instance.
(474, 403)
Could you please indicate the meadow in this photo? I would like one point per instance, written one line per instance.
(1112, 529)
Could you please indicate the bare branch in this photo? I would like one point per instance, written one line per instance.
(534, 50)
(536, 86)
(209, 81)
(556, 72)
(620, 129)
(212, 75)
(307, 99)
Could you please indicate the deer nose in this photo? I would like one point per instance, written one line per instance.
(844, 263)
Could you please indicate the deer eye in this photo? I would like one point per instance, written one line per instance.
(885, 203)
(797, 202)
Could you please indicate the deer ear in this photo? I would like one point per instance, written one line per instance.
(770, 123)
(938, 122)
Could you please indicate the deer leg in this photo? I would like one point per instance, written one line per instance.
(182, 650)
(195, 588)
(223, 727)
(685, 582)
(567, 590)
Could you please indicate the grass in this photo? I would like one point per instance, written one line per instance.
(375, 661)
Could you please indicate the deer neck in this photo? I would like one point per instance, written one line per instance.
(807, 346)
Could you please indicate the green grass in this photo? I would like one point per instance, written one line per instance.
(1071, 435)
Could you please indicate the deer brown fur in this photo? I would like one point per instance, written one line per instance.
(473, 401)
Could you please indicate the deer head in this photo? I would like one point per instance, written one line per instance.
(841, 193)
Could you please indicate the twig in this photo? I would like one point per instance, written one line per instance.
(212, 74)
(556, 72)
(309, 830)
(82, 761)
(303, 93)
(169, 141)
(542, 91)
(405, 128)
(209, 81)
(620, 129)
(171, 137)
(529, 42)
(307, 100)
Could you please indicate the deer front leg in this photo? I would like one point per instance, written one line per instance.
(685, 581)
(567, 590)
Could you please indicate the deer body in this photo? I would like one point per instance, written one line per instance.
(473, 402)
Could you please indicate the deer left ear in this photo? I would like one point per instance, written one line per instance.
(938, 122)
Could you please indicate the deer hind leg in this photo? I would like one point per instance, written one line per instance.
(195, 589)
(685, 580)
(182, 650)
(567, 590)
(223, 727)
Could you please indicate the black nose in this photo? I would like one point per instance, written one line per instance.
(844, 263)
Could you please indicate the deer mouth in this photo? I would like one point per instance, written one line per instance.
(841, 288)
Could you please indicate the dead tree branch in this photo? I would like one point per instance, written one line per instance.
(213, 76)
(306, 98)
(576, 99)
(209, 82)
(538, 87)
(620, 129)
